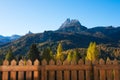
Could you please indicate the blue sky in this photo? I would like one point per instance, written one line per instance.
(20, 16)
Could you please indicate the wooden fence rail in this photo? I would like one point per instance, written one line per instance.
(26, 70)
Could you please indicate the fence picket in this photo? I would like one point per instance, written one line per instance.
(81, 72)
(96, 72)
(51, 73)
(36, 73)
(29, 73)
(13, 73)
(59, 73)
(102, 71)
(66, 72)
(116, 71)
(5, 75)
(0, 75)
(88, 72)
(44, 72)
(73, 72)
(109, 72)
(21, 73)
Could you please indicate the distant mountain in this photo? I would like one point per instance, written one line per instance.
(14, 37)
(1, 36)
(72, 35)
(7, 39)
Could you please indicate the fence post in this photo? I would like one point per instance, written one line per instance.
(102, 72)
(44, 72)
(66, 72)
(5, 75)
(51, 73)
(36, 73)
(29, 73)
(13, 73)
(21, 73)
(73, 72)
(59, 73)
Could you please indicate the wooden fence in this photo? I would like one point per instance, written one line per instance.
(26, 70)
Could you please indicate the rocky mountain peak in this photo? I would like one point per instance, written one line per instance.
(72, 25)
(29, 32)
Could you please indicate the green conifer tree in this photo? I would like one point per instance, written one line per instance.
(47, 54)
(33, 53)
(9, 56)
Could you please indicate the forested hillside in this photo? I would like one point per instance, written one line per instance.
(73, 36)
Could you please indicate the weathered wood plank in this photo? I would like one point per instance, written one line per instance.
(20, 68)
(96, 71)
(44, 72)
(59, 73)
(0, 75)
(81, 72)
(13, 73)
(88, 72)
(74, 72)
(21, 73)
(5, 74)
(68, 67)
(110, 71)
(102, 71)
(37, 73)
(52, 72)
(116, 71)
(108, 67)
(66, 72)
(29, 73)
(48, 67)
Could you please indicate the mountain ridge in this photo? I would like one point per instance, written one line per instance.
(7, 39)
(70, 37)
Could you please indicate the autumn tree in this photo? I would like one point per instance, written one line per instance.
(75, 56)
(9, 56)
(33, 53)
(72, 55)
(69, 56)
(92, 52)
(59, 54)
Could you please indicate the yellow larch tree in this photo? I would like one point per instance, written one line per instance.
(92, 52)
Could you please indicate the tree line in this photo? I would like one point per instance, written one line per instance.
(33, 54)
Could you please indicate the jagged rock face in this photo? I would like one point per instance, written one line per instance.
(29, 32)
(71, 26)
